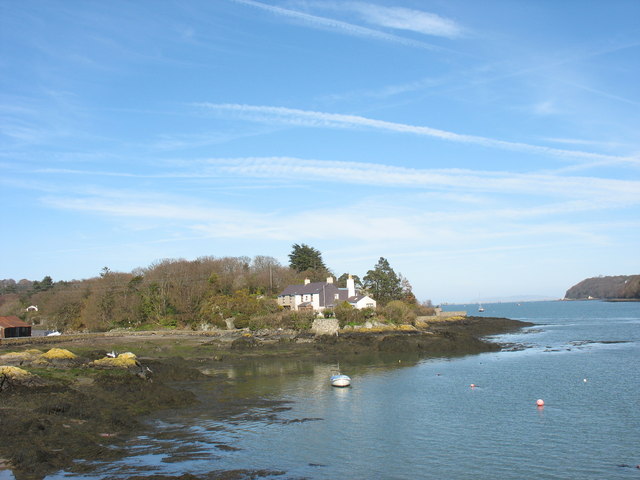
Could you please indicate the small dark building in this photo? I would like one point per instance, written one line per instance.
(14, 327)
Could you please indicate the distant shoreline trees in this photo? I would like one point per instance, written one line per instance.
(188, 294)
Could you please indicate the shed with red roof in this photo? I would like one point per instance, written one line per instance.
(12, 326)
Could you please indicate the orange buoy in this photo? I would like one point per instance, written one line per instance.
(540, 402)
(473, 385)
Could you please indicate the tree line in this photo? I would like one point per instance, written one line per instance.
(194, 294)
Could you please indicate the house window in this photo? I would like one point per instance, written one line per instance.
(369, 305)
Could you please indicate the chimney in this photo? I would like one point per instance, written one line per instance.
(307, 281)
(329, 279)
(351, 286)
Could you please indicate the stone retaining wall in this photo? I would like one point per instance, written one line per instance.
(461, 313)
(325, 326)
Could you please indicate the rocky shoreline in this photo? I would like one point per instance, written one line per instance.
(56, 407)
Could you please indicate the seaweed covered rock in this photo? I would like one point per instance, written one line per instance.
(35, 357)
(21, 358)
(13, 372)
(124, 360)
(58, 354)
(11, 377)
(245, 342)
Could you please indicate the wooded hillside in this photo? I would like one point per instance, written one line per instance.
(168, 293)
(195, 294)
(614, 287)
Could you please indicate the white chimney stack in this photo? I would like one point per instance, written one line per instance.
(307, 281)
(351, 286)
(329, 279)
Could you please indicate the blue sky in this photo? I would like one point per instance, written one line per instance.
(486, 149)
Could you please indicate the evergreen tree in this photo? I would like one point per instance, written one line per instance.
(383, 283)
(44, 285)
(303, 258)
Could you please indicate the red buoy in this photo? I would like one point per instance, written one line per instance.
(540, 402)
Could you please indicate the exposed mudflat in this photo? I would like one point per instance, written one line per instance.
(63, 409)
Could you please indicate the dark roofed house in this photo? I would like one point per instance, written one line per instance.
(14, 327)
(318, 296)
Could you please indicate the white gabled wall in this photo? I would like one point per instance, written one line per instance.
(365, 302)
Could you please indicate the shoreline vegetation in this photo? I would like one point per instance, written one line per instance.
(75, 397)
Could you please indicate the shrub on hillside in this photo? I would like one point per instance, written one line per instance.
(399, 312)
(347, 314)
(425, 309)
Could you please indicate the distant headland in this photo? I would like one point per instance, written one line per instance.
(619, 287)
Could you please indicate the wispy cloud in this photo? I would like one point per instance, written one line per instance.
(460, 179)
(604, 94)
(310, 118)
(584, 142)
(337, 25)
(406, 19)
(382, 222)
(582, 193)
(418, 208)
(547, 107)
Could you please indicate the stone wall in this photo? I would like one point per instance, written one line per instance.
(441, 314)
(325, 326)
(461, 313)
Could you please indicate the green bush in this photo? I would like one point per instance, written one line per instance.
(399, 313)
(299, 320)
(242, 306)
(368, 313)
(284, 319)
(347, 314)
(269, 321)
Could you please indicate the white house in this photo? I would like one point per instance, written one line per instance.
(320, 295)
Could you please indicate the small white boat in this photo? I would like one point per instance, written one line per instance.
(340, 380)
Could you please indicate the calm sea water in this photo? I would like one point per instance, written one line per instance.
(406, 417)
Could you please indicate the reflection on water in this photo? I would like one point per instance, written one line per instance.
(271, 377)
(405, 417)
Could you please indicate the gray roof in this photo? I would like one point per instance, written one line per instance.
(357, 298)
(310, 288)
(325, 291)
